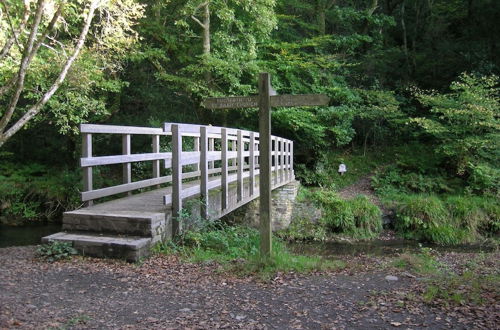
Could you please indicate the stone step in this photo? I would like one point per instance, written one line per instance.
(129, 248)
(145, 224)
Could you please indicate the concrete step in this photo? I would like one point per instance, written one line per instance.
(145, 224)
(129, 248)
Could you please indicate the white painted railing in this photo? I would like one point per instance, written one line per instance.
(221, 156)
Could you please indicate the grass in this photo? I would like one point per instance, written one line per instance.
(477, 284)
(236, 249)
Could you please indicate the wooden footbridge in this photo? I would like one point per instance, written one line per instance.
(218, 166)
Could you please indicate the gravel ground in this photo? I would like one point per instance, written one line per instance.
(164, 293)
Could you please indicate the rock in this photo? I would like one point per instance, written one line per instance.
(185, 310)
(391, 278)
(240, 317)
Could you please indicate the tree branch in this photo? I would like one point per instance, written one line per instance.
(23, 68)
(198, 21)
(35, 109)
(8, 44)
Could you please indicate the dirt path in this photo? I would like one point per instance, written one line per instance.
(164, 293)
(363, 187)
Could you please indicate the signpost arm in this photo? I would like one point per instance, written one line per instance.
(265, 163)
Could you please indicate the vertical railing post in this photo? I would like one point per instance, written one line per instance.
(291, 161)
(176, 178)
(127, 167)
(282, 159)
(287, 157)
(156, 163)
(251, 163)
(240, 148)
(224, 172)
(204, 171)
(276, 158)
(197, 148)
(211, 147)
(87, 171)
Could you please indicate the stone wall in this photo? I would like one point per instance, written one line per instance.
(283, 207)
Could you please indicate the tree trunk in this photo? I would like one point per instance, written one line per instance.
(35, 109)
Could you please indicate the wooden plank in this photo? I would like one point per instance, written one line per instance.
(156, 163)
(114, 129)
(275, 156)
(252, 163)
(109, 160)
(265, 163)
(211, 147)
(299, 100)
(183, 128)
(203, 166)
(127, 167)
(176, 178)
(224, 171)
(87, 172)
(291, 161)
(231, 102)
(109, 191)
(282, 160)
(237, 102)
(197, 148)
(239, 162)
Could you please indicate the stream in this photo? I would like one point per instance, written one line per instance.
(30, 234)
(377, 248)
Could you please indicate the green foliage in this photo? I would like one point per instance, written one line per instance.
(424, 262)
(237, 249)
(464, 123)
(303, 229)
(36, 192)
(425, 217)
(55, 251)
(448, 221)
(357, 217)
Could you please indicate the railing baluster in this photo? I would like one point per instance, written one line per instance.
(291, 161)
(252, 163)
(87, 171)
(197, 148)
(282, 159)
(239, 163)
(127, 167)
(211, 147)
(176, 178)
(224, 172)
(275, 154)
(204, 172)
(156, 163)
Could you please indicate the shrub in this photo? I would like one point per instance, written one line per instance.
(367, 216)
(425, 217)
(56, 251)
(480, 216)
(357, 217)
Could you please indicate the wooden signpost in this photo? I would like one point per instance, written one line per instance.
(266, 99)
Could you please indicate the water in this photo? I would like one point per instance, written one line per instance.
(376, 248)
(26, 235)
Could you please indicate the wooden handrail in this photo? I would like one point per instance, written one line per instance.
(238, 157)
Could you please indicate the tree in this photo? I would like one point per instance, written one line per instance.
(464, 123)
(44, 41)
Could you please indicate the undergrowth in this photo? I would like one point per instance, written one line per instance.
(358, 218)
(236, 248)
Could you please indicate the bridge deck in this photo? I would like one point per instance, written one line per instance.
(152, 201)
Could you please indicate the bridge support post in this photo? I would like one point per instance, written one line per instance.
(265, 163)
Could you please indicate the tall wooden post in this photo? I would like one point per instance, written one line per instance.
(265, 163)
(176, 178)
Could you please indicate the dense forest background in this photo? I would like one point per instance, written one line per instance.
(413, 87)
